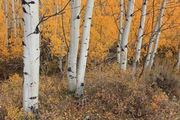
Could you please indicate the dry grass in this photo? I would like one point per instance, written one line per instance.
(109, 95)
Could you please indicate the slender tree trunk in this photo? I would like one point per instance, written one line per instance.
(13, 16)
(178, 63)
(6, 20)
(140, 36)
(127, 25)
(156, 34)
(120, 30)
(84, 48)
(74, 42)
(31, 55)
(18, 18)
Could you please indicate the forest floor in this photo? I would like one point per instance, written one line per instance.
(109, 95)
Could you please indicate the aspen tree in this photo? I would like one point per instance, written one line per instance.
(13, 16)
(31, 55)
(18, 17)
(6, 20)
(120, 30)
(152, 41)
(74, 42)
(84, 48)
(140, 36)
(158, 34)
(124, 43)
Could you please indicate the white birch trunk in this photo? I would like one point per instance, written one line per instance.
(155, 34)
(127, 25)
(31, 55)
(13, 16)
(140, 36)
(74, 43)
(158, 34)
(6, 20)
(120, 30)
(84, 48)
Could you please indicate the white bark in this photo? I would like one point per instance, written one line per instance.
(74, 42)
(140, 36)
(31, 55)
(154, 38)
(6, 20)
(13, 16)
(158, 34)
(84, 48)
(120, 30)
(127, 25)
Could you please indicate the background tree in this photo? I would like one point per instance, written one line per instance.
(6, 20)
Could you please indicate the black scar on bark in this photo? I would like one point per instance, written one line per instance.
(78, 17)
(25, 73)
(36, 30)
(126, 46)
(82, 84)
(69, 69)
(24, 10)
(34, 110)
(23, 43)
(32, 98)
(27, 3)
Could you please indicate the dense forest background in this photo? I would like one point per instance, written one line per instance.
(56, 31)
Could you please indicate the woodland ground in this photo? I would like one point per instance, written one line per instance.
(109, 95)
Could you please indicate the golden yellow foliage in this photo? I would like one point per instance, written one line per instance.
(104, 31)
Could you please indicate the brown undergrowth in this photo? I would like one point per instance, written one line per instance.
(109, 95)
